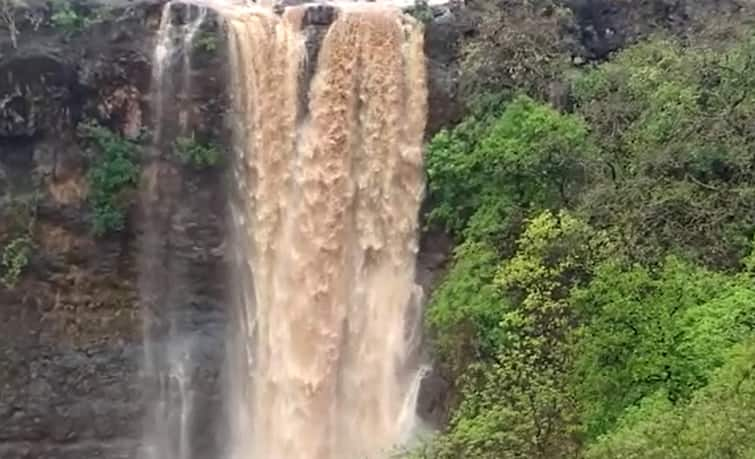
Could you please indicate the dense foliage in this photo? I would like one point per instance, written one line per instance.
(600, 300)
(112, 175)
(520, 44)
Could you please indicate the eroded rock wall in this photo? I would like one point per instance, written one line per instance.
(71, 328)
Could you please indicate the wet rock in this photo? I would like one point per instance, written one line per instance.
(34, 89)
(608, 25)
(432, 399)
(320, 15)
(443, 37)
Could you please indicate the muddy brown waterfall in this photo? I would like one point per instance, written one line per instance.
(329, 182)
(326, 185)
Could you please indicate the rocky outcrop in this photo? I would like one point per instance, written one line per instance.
(443, 37)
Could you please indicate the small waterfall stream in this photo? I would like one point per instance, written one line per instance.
(169, 345)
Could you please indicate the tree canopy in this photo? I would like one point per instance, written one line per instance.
(600, 300)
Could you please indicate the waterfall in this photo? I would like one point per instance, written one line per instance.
(327, 182)
(329, 197)
(168, 346)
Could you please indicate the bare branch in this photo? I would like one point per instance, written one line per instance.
(8, 18)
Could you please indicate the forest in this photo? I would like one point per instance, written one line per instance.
(600, 299)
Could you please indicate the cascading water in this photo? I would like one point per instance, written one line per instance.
(168, 345)
(330, 197)
(327, 186)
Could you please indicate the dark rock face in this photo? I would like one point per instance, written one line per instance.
(443, 37)
(432, 400)
(69, 402)
(38, 92)
(608, 25)
(71, 330)
(319, 15)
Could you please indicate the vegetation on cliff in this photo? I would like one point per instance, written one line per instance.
(600, 300)
(195, 153)
(113, 173)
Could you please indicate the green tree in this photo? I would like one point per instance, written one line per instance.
(514, 402)
(520, 45)
(495, 166)
(465, 311)
(600, 301)
(654, 331)
(676, 149)
(716, 423)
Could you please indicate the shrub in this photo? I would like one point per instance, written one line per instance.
(196, 154)
(73, 20)
(207, 42)
(421, 11)
(113, 172)
(65, 17)
(14, 257)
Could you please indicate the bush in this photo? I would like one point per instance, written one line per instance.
(65, 17)
(207, 42)
(421, 11)
(14, 257)
(71, 20)
(113, 172)
(196, 154)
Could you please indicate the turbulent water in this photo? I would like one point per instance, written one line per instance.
(327, 186)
